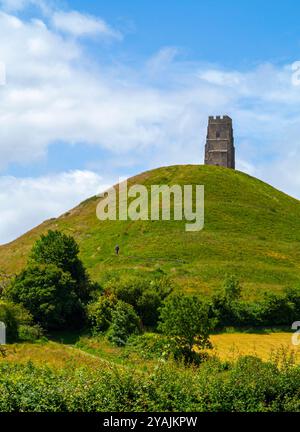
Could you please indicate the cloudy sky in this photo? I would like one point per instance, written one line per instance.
(94, 91)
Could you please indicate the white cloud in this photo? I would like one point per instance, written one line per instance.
(26, 202)
(151, 115)
(55, 93)
(221, 78)
(78, 24)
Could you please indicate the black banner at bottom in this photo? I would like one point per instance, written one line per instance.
(142, 421)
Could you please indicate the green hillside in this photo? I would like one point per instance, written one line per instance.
(251, 230)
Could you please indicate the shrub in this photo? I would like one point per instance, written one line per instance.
(151, 346)
(124, 322)
(27, 333)
(13, 316)
(146, 296)
(249, 385)
(100, 312)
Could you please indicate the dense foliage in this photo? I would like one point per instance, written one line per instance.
(272, 310)
(126, 305)
(246, 385)
(49, 294)
(144, 294)
(100, 312)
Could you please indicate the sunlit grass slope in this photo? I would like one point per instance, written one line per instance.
(251, 230)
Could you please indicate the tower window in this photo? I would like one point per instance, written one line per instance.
(217, 134)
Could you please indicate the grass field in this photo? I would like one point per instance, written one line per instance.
(98, 353)
(52, 354)
(251, 230)
(229, 346)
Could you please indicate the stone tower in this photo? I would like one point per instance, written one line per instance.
(219, 148)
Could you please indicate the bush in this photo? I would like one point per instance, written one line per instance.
(249, 385)
(124, 322)
(146, 296)
(226, 304)
(27, 333)
(13, 316)
(151, 346)
(100, 312)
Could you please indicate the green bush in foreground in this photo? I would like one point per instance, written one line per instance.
(249, 385)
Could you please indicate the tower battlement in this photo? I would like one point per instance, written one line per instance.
(219, 148)
(219, 119)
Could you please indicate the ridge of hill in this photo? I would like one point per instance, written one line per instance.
(251, 230)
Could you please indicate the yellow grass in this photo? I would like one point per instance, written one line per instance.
(229, 346)
(52, 354)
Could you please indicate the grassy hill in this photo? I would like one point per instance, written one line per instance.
(251, 230)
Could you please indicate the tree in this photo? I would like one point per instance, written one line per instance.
(124, 322)
(49, 294)
(227, 305)
(62, 250)
(232, 289)
(186, 320)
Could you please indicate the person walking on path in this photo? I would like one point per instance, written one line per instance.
(117, 249)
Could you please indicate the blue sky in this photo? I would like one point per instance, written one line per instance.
(100, 90)
(230, 33)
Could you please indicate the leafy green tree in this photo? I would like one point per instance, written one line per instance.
(62, 250)
(49, 294)
(125, 322)
(186, 320)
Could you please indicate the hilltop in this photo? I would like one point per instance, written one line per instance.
(251, 230)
